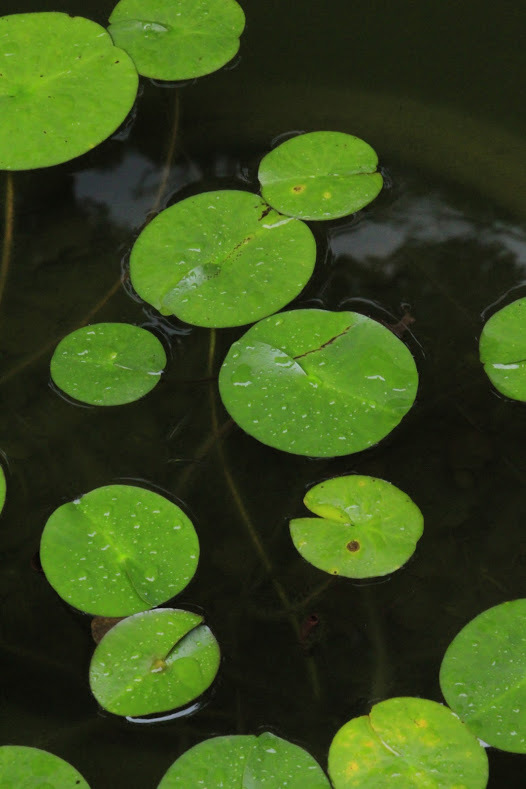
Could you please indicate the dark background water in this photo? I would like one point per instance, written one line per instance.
(437, 90)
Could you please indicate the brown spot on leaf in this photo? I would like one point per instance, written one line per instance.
(353, 546)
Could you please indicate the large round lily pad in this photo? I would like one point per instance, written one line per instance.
(154, 662)
(407, 742)
(108, 363)
(366, 527)
(318, 383)
(245, 762)
(222, 259)
(118, 550)
(320, 175)
(31, 768)
(503, 349)
(64, 88)
(483, 676)
(177, 39)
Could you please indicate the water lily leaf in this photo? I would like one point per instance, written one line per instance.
(503, 349)
(2, 488)
(222, 259)
(407, 742)
(367, 527)
(32, 768)
(320, 175)
(483, 676)
(245, 762)
(318, 383)
(177, 39)
(108, 363)
(64, 88)
(118, 549)
(154, 662)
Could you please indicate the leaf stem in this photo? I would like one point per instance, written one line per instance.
(7, 245)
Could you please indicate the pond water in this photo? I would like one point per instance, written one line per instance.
(436, 95)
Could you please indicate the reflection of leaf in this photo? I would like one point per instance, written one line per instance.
(318, 383)
(177, 39)
(64, 89)
(221, 259)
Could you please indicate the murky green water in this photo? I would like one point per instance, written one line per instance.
(436, 93)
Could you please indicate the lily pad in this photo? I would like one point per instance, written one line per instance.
(64, 88)
(2, 488)
(177, 39)
(245, 762)
(407, 742)
(118, 550)
(366, 527)
(320, 175)
(222, 259)
(154, 662)
(32, 768)
(108, 363)
(483, 676)
(503, 350)
(318, 383)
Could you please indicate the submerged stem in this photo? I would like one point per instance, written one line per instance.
(7, 245)
(251, 529)
(165, 174)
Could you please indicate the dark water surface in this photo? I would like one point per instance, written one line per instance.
(437, 89)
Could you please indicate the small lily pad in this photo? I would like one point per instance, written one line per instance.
(64, 88)
(108, 363)
(31, 768)
(177, 39)
(318, 383)
(320, 175)
(2, 488)
(407, 742)
(154, 662)
(503, 350)
(222, 259)
(118, 550)
(245, 762)
(366, 527)
(483, 676)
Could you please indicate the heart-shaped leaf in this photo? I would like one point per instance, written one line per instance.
(31, 768)
(503, 349)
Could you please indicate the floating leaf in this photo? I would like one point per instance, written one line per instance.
(318, 383)
(503, 349)
(108, 363)
(177, 39)
(118, 550)
(320, 175)
(154, 662)
(221, 259)
(483, 676)
(2, 488)
(245, 762)
(367, 527)
(64, 88)
(407, 742)
(31, 768)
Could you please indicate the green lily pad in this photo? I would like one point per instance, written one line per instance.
(222, 259)
(318, 383)
(245, 762)
(118, 550)
(407, 742)
(154, 662)
(483, 676)
(64, 88)
(503, 349)
(177, 39)
(366, 527)
(108, 363)
(2, 488)
(320, 175)
(32, 768)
